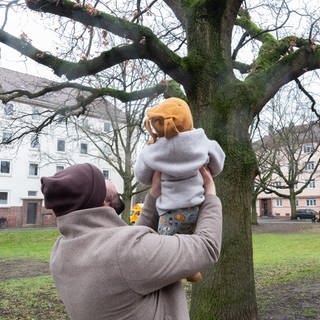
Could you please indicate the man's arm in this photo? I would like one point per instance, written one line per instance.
(149, 216)
(154, 261)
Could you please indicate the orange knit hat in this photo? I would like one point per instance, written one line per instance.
(168, 119)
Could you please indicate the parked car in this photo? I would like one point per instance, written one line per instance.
(306, 214)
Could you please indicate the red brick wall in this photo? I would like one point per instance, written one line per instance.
(16, 219)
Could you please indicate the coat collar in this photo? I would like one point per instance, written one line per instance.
(80, 222)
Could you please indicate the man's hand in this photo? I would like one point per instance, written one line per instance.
(208, 183)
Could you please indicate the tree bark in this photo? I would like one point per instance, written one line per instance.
(221, 105)
(213, 296)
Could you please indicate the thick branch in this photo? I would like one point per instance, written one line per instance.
(94, 93)
(146, 43)
(267, 81)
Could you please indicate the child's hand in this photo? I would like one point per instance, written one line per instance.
(156, 184)
(208, 183)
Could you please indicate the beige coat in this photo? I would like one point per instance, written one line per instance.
(104, 269)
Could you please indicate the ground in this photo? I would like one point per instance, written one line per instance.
(22, 268)
(293, 301)
(298, 300)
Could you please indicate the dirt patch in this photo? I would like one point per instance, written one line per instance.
(290, 301)
(22, 268)
(286, 227)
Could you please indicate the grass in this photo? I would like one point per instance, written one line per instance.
(32, 244)
(278, 258)
(30, 298)
(285, 257)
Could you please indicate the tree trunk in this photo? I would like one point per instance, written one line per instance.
(254, 216)
(227, 291)
(224, 293)
(126, 213)
(293, 204)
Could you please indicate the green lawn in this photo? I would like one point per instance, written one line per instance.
(33, 244)
(278, 258)
(285, 257)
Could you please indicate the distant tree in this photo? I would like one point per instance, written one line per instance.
(288, 156)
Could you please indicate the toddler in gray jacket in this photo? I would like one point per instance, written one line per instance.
(177, 150)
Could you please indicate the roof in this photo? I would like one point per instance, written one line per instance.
(10, 80)
(298, 134)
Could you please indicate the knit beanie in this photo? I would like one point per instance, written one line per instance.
(168, 119)
(80, 186)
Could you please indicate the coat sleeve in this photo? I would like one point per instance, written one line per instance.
(143, 173)
(154, 261)
(149, 216)
(216, 158)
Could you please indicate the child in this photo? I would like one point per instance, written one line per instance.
(177, 150)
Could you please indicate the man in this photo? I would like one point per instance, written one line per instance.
(105, 269)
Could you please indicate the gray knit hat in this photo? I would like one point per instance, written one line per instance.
(77, 187)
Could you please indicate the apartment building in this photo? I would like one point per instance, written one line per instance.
(24, 162)
(301, 165)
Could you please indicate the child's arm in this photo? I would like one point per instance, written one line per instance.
(143, 173)
(216, 158)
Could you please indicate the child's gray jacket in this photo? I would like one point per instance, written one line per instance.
(179, 160)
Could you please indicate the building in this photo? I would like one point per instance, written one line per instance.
(22, 163)
(294, 155)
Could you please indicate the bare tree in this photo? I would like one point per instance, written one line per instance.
(289, 153)
(230, 56)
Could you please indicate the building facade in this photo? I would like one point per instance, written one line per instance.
(24, 162)
(303, 167)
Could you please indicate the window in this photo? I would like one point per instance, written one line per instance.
(309, 166)
(107, 150)
(32, 193)
(312, 184)
(61, 145)
(83, 148)
(35, 114)
(279, 202)
(34, 144)
(85, 123)
(4, 197)
(311, 202)
(107, 127)
(59, 168)
(307, 148)
(4, 166)
(6, 136)
(106, 174)
(33, 169)
(8, 109)
(277, 184)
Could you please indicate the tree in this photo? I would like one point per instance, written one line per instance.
(118, 144)
(193, 45)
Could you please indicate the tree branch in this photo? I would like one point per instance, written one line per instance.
(145, 41)
(95, 93)
(276, 73)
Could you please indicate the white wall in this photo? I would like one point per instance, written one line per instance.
(19, 182)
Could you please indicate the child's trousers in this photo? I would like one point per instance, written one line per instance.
(181, 221)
